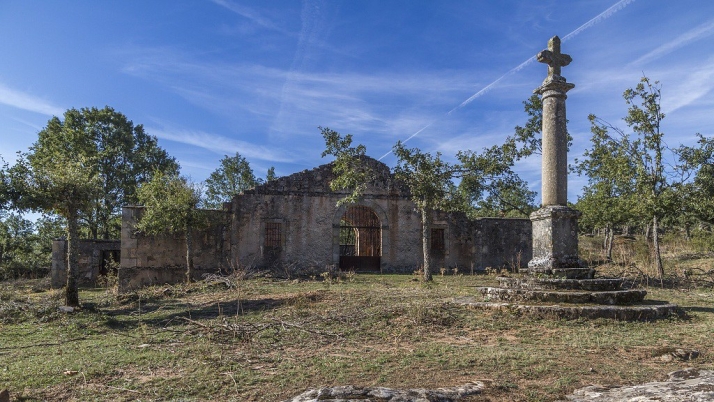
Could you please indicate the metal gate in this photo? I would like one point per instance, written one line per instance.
(360, 240)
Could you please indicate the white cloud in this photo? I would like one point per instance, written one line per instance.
(694, 34)
(221, 145)
(24, 101)
(251, 15)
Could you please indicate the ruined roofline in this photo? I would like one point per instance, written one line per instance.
(317, 180)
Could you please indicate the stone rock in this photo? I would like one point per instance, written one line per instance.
(669, 354)
(4, 396)
(379, 394)
(691, 385)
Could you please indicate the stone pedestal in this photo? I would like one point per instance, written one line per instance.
(555, 243)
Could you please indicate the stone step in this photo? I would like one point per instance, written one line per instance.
(600, 284)
(640, 312)
(568, 273)
(564, 296)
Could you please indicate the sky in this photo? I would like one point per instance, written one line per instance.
(212, 78)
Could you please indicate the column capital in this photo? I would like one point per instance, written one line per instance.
(553, 86)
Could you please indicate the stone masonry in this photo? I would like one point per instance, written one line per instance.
(292, 226)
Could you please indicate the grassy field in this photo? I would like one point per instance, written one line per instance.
(268, 340)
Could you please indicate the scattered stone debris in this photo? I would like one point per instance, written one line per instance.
(691, 385)
(379, 394)
(670, 354)
(66, 309)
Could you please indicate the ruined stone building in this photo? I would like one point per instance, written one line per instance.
(292, 226)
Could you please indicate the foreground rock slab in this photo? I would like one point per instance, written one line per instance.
(380, 394)
(689, 385)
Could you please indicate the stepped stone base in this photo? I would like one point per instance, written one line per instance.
(643, 312)
(610, 297)
(600, 284)
(570, 297)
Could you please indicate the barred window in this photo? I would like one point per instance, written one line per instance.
(437, 240)
(273, 235)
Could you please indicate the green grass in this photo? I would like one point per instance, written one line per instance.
(270, 340)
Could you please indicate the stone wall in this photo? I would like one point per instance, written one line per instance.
(162, 259)
(93, 260)
(502, 243)
(305, 208)
(291, 227)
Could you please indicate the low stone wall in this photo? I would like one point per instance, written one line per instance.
(93, 260)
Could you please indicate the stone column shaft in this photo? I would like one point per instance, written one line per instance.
(555, 147)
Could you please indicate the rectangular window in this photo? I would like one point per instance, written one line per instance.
(273, 235)
(437, 240)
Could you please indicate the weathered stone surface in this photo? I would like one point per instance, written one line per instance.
(92, 257)
(555, 239)
(567, 296)
(292, 226)
(600, 284)
(644, 312)
(380, 394)
(689, 385)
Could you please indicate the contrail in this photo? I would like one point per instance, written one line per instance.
(598, 18)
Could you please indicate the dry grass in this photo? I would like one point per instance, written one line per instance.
(265, 340)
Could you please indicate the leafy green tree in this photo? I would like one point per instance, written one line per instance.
(123, 156)
(431, 188)
(698, 194)
(490, 185)
(232, 177)
(17, 238)
(350, 173)
(271, 174)
(656, 179)
(608, 199)
(171, 207)
(58, 180)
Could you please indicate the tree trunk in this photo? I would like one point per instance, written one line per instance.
(655, 244)
(71, 297)
(426, 244)
(189, 254)
(610, 237)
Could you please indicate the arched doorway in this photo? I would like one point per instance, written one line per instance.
(360, 239)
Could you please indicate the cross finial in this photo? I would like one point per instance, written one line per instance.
(553, 58)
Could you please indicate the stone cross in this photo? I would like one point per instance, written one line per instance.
(555, 132)
(553, 58)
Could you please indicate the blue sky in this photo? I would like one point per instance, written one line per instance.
(210, 78)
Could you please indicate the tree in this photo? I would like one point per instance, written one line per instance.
(171, 203)
(232, 177)
(609, 197)
(123, 157)
(63, 181)
(698, 194)
(655, 179)
(431, 188)
(271, 174)
(489, 184)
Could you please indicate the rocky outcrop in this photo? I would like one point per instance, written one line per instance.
(380, 394)
(689, 385)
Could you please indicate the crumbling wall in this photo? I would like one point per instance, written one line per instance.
(305, 209)
(148, 260)
(502, 242)
(94, 256)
